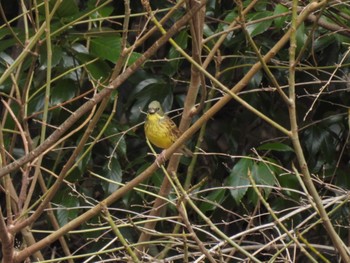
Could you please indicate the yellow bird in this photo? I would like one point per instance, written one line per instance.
(160, 130)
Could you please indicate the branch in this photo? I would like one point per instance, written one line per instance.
(96, 99)
(338, 243)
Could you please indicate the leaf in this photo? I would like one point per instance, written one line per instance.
(113, 134)
(114, 173)
(181, 40)
(56, 57)
(5, 32)
(68, 207)
(207, 31)
(322, 43)
(279, 22)
(106, 47)
(255, 81)
(99, 70)
(228, 19)
(276, 146)
(263, 175)
(133, 57)
(314, 137)
(84, 162)
(238, 179)
(103, 11)
(37, 103)
(174, 56)
(67, 8)
(342, 179)
(289, 181)
(63, 90)
(6, 39)
(258, 28)
(300, 37)
(6, 58)
(261, 5)
(215, 197)
(146, 91)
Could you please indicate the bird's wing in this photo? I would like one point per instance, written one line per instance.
(175, 132)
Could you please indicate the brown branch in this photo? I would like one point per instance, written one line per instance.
(196, 23)
(147, 173)
(321, 21)
(184, 217)
(74, 117)
(6, 241)
(96, 99)
(337, 242)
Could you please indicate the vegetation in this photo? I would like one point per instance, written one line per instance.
(258, 88)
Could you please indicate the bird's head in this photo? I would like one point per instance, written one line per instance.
(155, 107)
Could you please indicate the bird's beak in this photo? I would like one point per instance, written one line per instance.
(151, 110)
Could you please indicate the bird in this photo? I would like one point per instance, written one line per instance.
(160, 130)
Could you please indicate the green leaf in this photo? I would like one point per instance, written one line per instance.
(181, 39)
(7, 40)
(68, 207)
(314, 138)
(252, 196)
(4, 44)
(215, 197)
(322, 43)
(255, 81)
(133, 57)
(289, 181)
(275, 146)
(146, 91)
(99, 70)
(103, 11)
(261, 5)
(67, 8)
(279, 22)
(63, 90)
(37, 103)
(5, 32)
(113, 173)
(207, 31)
(174, 56)
(106, 47)
(301, 37)
(263, 175)
(228, 19)
(238, 179)
(6, 59)
(258, 28)
(342, 179)
(115, 137)
(56, 57)
(84, 162)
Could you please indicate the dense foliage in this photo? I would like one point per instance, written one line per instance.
(259, 88)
